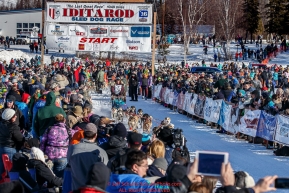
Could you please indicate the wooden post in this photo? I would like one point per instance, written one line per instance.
(42, 39)
(154, 43)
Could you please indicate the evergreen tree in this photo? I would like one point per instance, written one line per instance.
(275, 15)
(251, 17)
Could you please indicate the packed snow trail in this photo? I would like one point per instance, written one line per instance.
(255, 159)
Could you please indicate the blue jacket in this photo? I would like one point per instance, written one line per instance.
(39, 103)
(24, 109)
(132, 183)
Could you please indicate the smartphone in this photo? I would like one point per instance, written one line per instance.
(282, 183)
(210, 162)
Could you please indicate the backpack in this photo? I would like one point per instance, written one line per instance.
(117, 163)
(68, 132)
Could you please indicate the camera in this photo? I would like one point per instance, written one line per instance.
(178, 137)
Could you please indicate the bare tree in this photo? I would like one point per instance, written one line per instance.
(191, 13)
(227, 10)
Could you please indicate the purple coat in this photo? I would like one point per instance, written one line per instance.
(55, 143)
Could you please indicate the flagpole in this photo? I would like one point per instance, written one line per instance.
(42, 38)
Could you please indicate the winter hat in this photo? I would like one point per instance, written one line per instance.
(98, 175)
(264, 88)
(77, 110)
(176, 172)
(8, 114)
(37, 154)
(265, 95)
(14, 80)
(54, 85)
(161, 163)
(25, 97)
(242, 92)
(146, 139)
(90, 127)
(134, 138)
(120, 130)
(11, 97)
(94, 119)
(33, 142)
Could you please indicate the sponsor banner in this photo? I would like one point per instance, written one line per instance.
(77, 30)
(57, 30)
(61, 42)
(249, 123)
(266, 126)
(224, 120)
(162, 93)
(171, 97)
(119, 31)
(191, 107)
(181, 99)
(187, 102)
(282, 129)
(112, 13)
(157, 90)
(199, 106)
(175, 100)
(234, 121)
(142, 31)
(167, 96)
(212, 110)
(97, 38)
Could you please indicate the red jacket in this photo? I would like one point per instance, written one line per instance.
(76, 74)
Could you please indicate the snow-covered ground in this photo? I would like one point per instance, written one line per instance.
(254, 159)
(174, 56)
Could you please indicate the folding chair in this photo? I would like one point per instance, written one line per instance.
(7, 167)
(33, 173)
(13, 175)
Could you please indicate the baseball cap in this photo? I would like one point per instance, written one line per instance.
(134, 138)
(90, 127)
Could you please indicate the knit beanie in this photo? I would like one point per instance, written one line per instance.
(98, 175)
(8, 114)
(37, 154)
(120, 130)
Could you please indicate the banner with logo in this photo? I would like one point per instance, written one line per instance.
(224, 119)
(167, 95)
(234, 121)
(162, 93)
(108, 13)
(187, 101)
(282, 129)
(99, 37)
(266, 126)
(181, 99)
(171, 97)
(191, 107)
(157, 90)
(199, 106)
(175, 100)
(212, 110)
(249, 123)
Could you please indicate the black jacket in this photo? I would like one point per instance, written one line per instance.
(154, 171)
(20, 119)
(43, 174)
(10, 135)
(114, 145)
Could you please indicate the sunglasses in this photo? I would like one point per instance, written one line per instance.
(9, 101)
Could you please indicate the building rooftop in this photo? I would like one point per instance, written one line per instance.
(20, 11)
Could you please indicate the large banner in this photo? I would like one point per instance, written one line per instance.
(266, 126)
(249, 123)
(157, 90)
(224, 120)
(282, 129)
(181, 100)
(112, 13)
(167, 96)
(175, 100)
(199, 106)
(212, 110)
(191, 108)
(187, 101)
(234, 121)
(98, 38)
